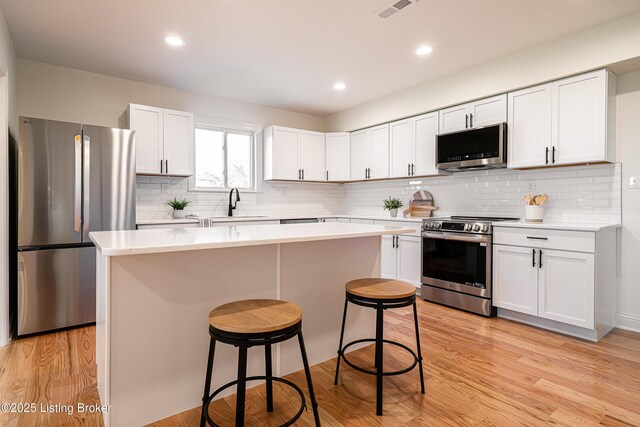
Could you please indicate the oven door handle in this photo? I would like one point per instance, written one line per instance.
(458, 237)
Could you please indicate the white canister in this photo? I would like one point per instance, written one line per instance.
(533, 213)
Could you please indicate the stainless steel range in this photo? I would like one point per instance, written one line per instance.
(456, 262)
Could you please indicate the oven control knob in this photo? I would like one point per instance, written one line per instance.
(485, 228)
(429, 225)
(467, 227)
(476, 227)
(438, 225)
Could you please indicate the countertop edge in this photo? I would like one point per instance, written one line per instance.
(576, 226)
(240, 243)
(274, 218)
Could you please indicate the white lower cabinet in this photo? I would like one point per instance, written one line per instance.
(400, 258)
(566, 287)
(561, 279)
(515, 280)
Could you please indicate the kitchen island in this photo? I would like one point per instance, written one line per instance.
(155, 289)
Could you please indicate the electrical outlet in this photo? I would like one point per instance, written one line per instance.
(531, 186)
(634, 182)
(166, 188)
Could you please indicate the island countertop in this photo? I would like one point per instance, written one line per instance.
(136, 242)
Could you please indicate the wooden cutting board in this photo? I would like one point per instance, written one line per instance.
(421, 205)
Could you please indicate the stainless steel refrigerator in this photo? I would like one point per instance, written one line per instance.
(72, 179)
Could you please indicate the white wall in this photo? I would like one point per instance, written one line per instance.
(628, 139)
(600, 46)
(60, 93)
(8, 117)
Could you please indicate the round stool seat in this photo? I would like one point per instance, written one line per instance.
(382, 289)
(255, 316)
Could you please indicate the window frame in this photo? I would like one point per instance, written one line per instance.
(253, 169)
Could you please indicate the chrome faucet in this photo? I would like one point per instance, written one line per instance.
(233, 206)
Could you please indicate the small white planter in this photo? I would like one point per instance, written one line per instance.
(179, 214)
(533, 213)
(393, 212)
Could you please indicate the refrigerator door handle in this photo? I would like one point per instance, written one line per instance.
(86, 171)
(78, 184)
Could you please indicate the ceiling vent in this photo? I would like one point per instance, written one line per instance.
(396, 7)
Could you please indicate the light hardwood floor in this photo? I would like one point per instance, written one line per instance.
(478, 372)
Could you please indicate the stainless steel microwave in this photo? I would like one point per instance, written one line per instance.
(472, 149)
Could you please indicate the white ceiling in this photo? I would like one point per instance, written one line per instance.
(288, 53)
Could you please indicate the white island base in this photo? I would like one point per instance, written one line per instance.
(152, 308)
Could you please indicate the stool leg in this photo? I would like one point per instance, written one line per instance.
(379, 354)
(207, 381)
(269, 373)
(242, 385)
(307, 372)
(415, 318)
(344, 318)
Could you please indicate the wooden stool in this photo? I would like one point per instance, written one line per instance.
(259, 322)
(380, 294)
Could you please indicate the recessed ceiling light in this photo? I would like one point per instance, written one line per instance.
(174, 41)
(424, 50)
(339, 86)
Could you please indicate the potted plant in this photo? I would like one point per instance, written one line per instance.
(178, 206)
(392, 204)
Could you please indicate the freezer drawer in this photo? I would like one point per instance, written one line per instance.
(56, 289)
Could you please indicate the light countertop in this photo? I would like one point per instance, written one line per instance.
(135, 242)
(243, 218)
(558, 225)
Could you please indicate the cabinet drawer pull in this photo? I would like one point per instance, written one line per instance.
(533, 258)
(537, 238)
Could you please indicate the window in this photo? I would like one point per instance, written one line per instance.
(224, 159)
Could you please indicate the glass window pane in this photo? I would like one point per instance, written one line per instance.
(239, 160)
(209, 158)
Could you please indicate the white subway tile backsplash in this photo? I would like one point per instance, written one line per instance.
(582, 193)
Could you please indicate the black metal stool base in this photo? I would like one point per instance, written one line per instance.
(370, 372)
(380, 305)
(303, 403)
(244, 342)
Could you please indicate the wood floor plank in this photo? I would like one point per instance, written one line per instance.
(478, 372)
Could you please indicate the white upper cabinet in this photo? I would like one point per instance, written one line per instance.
(529, 126)
(293, 154)
(312, 156)
(178, 143)
(569, 121)
(474, 114)
(379, 152)
(370, 153)
(413, 146)
(148, 124)
(580, 128)
(401, 144)
(337, 156)
(164, 140)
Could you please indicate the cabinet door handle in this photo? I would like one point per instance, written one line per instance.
(553, 155)
(413, 170)
(299, 173)
(302, 173)
(540, 260)
(166, 166)
(408, 169)
(546, 156)
(537, 238)
(533, 258)
(466, 121)
(161, 167)
(470, 120)
(327, 175)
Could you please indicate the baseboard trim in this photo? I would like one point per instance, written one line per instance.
(628, 322)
